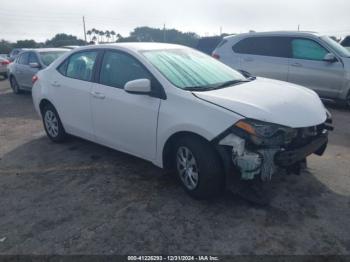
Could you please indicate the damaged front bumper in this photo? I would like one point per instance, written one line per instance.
(265, 160)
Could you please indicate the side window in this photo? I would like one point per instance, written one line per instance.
(80, 65)
(24, 59)
(33, 58)
(63, 68)
(307, 49)
(118, 68)
(265, 46)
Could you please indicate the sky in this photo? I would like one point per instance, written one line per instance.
(42, 19)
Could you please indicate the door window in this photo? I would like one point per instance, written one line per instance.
(24, 59)
(33, 58)
(119, 68)
(266, 46)
(80, 65)
(307, 49)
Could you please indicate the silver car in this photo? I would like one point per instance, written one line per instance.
(3, 67)
(28, 63)
(303, 58)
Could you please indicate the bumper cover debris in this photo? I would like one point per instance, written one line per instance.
(266, 161)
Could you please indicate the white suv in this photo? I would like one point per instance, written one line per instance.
(181, 109)
(304, 58)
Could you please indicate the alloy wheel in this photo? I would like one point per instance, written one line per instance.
(187, 167)
(51, 123)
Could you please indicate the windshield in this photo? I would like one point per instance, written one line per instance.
(341, 50)
(190, 69)
(49, 57)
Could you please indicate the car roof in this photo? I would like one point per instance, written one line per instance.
(41, 50)
(275, 33)
(135, 46)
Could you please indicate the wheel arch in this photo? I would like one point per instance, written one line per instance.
(43, 103)
(170, 143)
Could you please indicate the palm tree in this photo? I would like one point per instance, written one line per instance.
(101, 33)
(93, 30)
(89, 32)
(119, 36)
(94, 39)
(108, 35)
(113, 36)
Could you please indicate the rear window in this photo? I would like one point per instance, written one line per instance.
(264, 46)
(49, 57)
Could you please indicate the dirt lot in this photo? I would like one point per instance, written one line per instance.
(80, 197)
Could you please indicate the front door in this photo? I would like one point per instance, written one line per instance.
(124, 121)
(308, 69)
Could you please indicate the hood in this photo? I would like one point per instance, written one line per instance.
(271, 101)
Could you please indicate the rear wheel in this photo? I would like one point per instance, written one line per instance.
(198, 167)
(15, 86)
(52, 124)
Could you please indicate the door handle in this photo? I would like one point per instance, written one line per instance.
(296, 65)
(55, 84)
(98, 95)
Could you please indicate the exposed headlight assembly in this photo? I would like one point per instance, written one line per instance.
(266, 134)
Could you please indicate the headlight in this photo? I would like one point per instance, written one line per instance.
(262, 133)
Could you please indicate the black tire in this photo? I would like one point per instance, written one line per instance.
(210, 180)
(49, 112)
(15, 86)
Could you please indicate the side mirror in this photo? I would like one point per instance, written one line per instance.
(34, 65)
(138, 86)
(330, 58)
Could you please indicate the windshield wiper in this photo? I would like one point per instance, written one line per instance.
(231, 83)
(216, 86)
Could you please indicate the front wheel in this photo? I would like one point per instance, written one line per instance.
(52, 124)
(198, 167)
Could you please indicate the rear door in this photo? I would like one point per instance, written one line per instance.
(71, 91)
(20, 67)
(124, 121)
(28, 71)
(266, 56)
(307, 68)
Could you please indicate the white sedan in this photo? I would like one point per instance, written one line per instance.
(183, 110)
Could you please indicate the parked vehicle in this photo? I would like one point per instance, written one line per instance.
(208, 44)
(181, 109)
(304, 58)
(28, 63)
(346, 42)
(14, 53)
(71, 46)
(3, 67)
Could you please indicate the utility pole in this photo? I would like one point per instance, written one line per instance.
(298, 27)
(164, 37)
(84, 28)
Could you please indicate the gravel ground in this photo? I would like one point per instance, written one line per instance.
(82, 198)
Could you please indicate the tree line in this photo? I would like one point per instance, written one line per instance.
(139, 34)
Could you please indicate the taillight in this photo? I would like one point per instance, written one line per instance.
(216, 56)
(5, 62)
(34, 79)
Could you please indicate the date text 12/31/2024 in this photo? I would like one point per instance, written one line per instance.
(173, 258)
